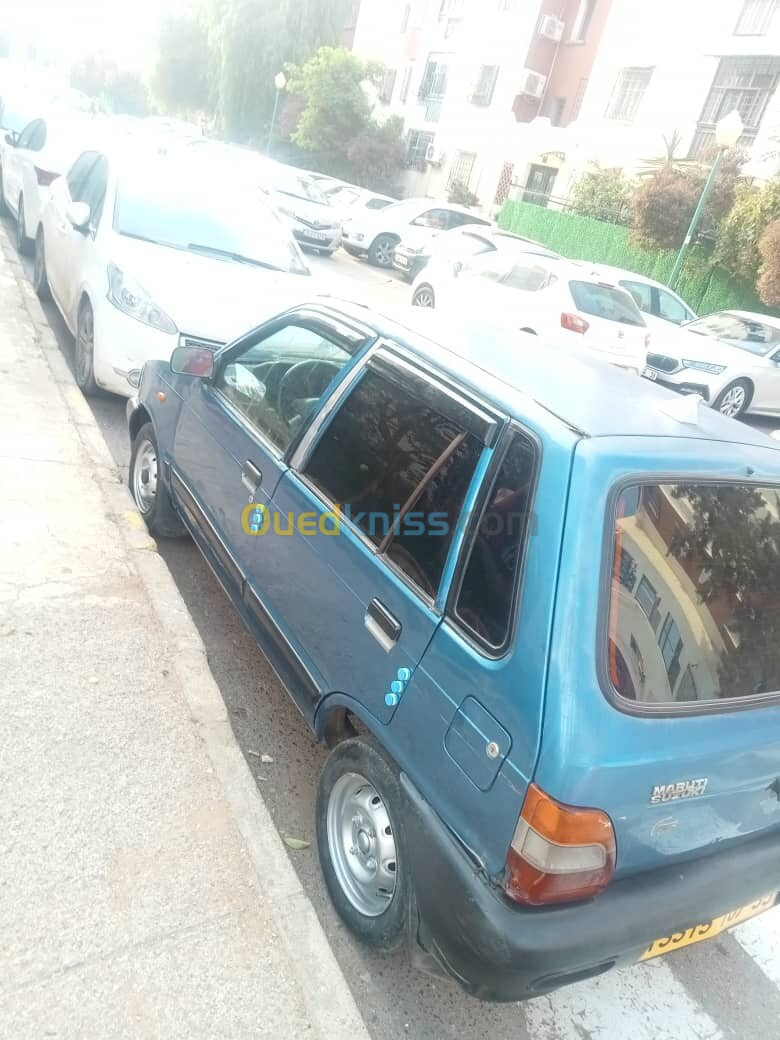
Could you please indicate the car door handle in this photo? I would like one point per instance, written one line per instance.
(251, 477)
(385, 628)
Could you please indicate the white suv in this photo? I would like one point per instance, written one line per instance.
(546, 296)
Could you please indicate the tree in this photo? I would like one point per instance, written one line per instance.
(376, 155)
(118, 90)
(740, 234)
(604, 194)
(126, 94)
(181, 76)
(769, 277)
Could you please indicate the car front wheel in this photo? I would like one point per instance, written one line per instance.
(22, 241)
(423, 297)
(381, 252)
(734, 399)
(361, 843)
(84, 351)
(40, 277)
(149, 493)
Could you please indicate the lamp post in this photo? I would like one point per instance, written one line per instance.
(728, 131)
(280, 82)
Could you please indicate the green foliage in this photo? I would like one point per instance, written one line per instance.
(583, 238)
(376, 154)
(180, 80)
(127, 94)
(603, 194)
(740, 234)
(461, 195)
(769, 279)
(117, 90)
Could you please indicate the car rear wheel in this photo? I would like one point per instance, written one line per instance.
(23, 243)
(149, 492)
(361, 843)
(40, 277)
(424, 296)
(84, 351)
(734, 399)
(381, 252)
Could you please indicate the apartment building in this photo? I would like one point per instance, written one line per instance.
(525, 96)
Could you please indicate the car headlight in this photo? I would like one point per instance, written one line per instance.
(705, 366)
(132, 299)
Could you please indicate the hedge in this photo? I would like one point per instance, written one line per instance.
(705, 288)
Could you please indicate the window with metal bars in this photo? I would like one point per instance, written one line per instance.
(756, 17)
(627, 94)
(388, 86)
(434, 82)
(485, 85)
(462, 169)
(744, 84)
(417, 144)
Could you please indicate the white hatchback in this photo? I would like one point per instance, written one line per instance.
(140, 256)
(546, 296)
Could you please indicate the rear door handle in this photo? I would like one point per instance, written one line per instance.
(385, 628)
(251, 477)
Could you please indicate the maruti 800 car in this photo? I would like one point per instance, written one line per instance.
(535, 618)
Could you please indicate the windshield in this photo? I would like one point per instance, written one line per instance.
(746, 333)
(298, 186)
(604, 301)
(181, 213)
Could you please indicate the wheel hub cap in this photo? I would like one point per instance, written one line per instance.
(733, 401)
(145, 476)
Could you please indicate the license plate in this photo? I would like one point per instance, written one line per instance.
(320, 236)
(402, 261)
(650, 374)
(700, 932)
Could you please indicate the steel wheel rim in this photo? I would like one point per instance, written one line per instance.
(361, 845)
(733, 402)
(84, 348)
(384, 254)
(423, 298)
(145, 476)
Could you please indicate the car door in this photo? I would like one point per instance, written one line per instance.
(57, 229)
(77, 246)
(231, 446)
(16, 157)
(378, 495)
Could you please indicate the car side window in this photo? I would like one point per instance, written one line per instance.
(377, 203)
(93, 190)
(398, 462)
(492, 267)
(30, 136)
(276, 383)
(642, 294)
(78, 172)
(670, 308)
(485, 600)
(528, 277)
(439, 219)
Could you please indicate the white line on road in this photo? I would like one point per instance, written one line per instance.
(761, 939)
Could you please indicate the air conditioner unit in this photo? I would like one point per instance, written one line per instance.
(551, 28)
(532, 83)
(434, 156)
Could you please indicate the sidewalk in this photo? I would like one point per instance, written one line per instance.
(144, 891)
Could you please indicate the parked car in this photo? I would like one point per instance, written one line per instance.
(140, 255)
(32, 159)
(458, 245)
(660, 306)
(521, 671)
(731, 358)
(416, 221)
(351, 200)
(546, 296)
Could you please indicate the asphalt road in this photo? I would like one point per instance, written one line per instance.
(726, 988)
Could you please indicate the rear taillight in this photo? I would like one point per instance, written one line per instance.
(574, 323)
(45, 177)
(559, 854)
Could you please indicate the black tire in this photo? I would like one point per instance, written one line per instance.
(40, 277)
(23, 243)
(422, 292)
(531, 332)
(350, 762)
(352, 251)
(155, 507)
(84, 351)
(381, 252)
(734, 400)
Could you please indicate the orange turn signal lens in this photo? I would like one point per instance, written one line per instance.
(559, 853)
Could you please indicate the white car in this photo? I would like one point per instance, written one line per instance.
(413, 221)
(32, 159)
(660, 306)
(731, 358)
(140, 256)
(546, 296)
(458, 245)
(351, 200)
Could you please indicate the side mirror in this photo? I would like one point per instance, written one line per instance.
(457, 267)
(193, 361)
(11, 138)
(776, 357)
(78, 214)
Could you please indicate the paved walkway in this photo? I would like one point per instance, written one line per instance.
(144, 891)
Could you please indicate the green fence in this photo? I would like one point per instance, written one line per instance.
(705, 288)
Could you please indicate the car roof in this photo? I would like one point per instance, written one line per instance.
(510, 367)
(621, 272)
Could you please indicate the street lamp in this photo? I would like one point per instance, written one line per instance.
(728, 131)
(280, 82)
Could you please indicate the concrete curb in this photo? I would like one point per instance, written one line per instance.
(330, 1005)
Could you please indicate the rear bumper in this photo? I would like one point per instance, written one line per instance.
(311, 239)
(409, 264)
(499, 951)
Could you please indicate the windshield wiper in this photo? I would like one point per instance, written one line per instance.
(225, 254)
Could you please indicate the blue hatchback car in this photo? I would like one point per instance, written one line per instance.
(530, 603)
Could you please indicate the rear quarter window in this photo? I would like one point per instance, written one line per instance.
(694, 604)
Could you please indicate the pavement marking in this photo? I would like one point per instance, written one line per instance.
(760, 938)
(643, 1002)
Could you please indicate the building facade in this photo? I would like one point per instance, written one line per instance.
(500, 95)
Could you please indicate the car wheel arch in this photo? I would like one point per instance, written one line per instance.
(140, 417)
(339, 717)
